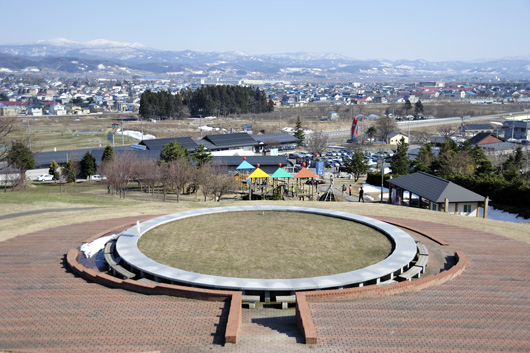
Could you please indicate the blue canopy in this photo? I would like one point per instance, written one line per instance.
(245, 165)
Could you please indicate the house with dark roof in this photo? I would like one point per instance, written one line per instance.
(472, 129)
(483, 138)
(157, 144)
(281, 141)
(224, 142)
(437, 194)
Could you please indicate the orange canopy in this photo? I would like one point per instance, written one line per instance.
(305, 173)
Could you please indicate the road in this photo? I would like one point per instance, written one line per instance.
(340, 135)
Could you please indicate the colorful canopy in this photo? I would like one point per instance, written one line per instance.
(280, 173)
(245, 165)
(305, 173)
(258, 173)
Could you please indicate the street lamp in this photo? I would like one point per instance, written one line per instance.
(382, 175)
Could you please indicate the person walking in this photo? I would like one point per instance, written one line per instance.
(361, 194)
(350, 189)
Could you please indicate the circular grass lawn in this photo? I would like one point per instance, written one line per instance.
(266, 244)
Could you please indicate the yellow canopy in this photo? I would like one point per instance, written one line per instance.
(258, 173)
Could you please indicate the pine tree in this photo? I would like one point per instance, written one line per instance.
(371, 132)
(20, 157)
(400, 164)
(418, 108)
(299, 132)
(173, 151)
(108, 154)
(408, 106)
(88, 164)
(202, 155)
(68, 172)
(357, 165)
(425, 158)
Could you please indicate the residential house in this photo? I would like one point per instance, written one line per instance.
(516, 129)
(483, 138)
(57, 109)
(473, 129)
(395, 137)
(34, 110)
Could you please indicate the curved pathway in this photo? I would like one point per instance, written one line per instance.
(45, 308)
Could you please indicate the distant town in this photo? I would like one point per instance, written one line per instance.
(53, 96)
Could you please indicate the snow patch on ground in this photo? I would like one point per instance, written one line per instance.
(137, 135)
(500, 215)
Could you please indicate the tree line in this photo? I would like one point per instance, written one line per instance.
(220, 100)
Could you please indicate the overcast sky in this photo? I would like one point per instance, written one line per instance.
(385, 29)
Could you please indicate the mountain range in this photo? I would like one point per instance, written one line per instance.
(104, 58)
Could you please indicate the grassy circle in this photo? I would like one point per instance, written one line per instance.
(270, 244)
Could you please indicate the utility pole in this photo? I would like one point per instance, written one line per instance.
(29, 135)
(382, 175)
(121, 128)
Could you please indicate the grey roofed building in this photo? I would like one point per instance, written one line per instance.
(229, 141)
(157, 144)
(499, 148)
(44, 159)
(282, 138)
(439, 193)
(282, 141)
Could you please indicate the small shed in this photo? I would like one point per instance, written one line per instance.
(437, 194)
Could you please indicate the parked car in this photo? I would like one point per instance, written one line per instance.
(45, 177)
(97, 177)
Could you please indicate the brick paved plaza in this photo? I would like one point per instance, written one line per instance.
(46, 308)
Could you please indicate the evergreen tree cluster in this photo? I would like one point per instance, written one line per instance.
(207, 100)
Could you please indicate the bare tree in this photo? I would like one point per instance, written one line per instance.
(385, 125)
(118, 172)
(317, 143)
(181, 174)
(202, 176)
(174, 176)
(446, 130)
(147, 173)
(419, 136)
(222, 182)
(215, 181)
(6, 127)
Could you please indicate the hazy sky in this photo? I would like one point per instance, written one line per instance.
(384, 29)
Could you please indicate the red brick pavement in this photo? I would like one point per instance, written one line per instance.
(45, 308)
(487, 308)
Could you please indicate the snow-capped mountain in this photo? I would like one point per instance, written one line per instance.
(105, 57)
